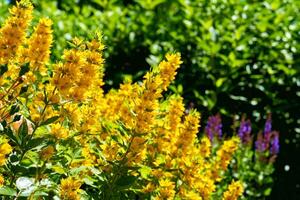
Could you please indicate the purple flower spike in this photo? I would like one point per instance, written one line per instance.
(268, 125)
(214, 127)
(245, 131)
(268, 129)
(274, 149)
(260, 144)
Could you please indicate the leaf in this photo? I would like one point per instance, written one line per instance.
(5, 190)
(14, 108)
(33, 143)
(3, 69)
(58, 169)
(145, 171)
(50, 120)
(267, 192)
(23, 131)
(11, 136)
(220, 81)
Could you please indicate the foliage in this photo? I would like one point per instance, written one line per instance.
(243, 54)
(239, 56)
(63, 137)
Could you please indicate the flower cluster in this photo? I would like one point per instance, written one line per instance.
(5, 149)
(61, 130)
(250, 161)
(268, 140)
(213, 128)
(235, 189)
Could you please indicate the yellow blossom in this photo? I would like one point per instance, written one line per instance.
(5, 149)
(47, 152)
(1, 180)
(70, 189)
(234, 191)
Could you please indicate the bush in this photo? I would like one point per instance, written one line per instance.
(238, 56)
(63, 137)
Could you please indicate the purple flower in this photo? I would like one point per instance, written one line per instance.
(268, 125)
(260, 144)
(245, 131)
(269, 140)
(274, 149)
(214, 127)
(268, 130)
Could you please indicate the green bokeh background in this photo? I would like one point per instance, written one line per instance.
(240, 56)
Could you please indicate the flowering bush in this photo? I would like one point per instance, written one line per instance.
(62, 137)
(253, 162)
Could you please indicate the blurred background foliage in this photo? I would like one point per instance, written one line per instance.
(240, 56)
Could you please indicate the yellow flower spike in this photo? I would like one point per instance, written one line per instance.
(13, 33)
(234, 191)
(225, 153)
(39, 46)
(205, 147)
(188, 132)
(168, 69)
(175, 113)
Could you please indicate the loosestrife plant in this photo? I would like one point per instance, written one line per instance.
(62, 137)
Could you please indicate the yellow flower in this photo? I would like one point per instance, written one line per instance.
(47, 152)
(39, 45)
(70, 189)
(234, 191)
(150, 187)
(13, 33)
(58, 131)
(168, 68)
(1, 180)
(5, 149)
(225, 153)
(205, 147)
(166, 190)
(188, 132)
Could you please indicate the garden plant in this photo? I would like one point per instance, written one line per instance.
(64, 135)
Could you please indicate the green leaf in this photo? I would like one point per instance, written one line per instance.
(23, 131)
(3, 69)
(267, 192)
(12, 137)
(50, 120)
(145, 171)
(14, 108)
(58, 169)
(5, 190)
(35, 142)
(220, 81)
